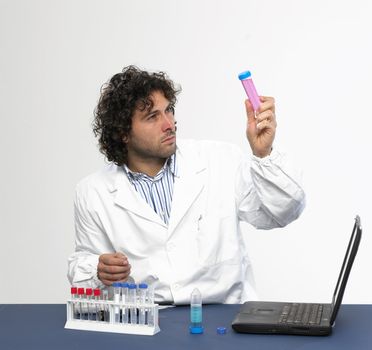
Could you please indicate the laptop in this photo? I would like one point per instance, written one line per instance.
(299, 318)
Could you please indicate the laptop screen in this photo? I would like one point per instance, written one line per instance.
(346, 267)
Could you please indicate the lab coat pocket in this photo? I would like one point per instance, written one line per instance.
(222, 282)
(217, 240)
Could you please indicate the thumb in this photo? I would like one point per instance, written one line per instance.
(250, 112)
(120, 255)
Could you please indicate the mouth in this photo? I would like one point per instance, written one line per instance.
(169, 139)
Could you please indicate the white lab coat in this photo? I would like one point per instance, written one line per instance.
(202, 246)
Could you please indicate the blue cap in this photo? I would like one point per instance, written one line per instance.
(196, 330)
(116, 284)
(142, 285)
(132, 286)
(125, 285)
(245, 75)
(221, 330)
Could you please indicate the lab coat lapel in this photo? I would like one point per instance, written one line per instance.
(187, 187)
(127, 197)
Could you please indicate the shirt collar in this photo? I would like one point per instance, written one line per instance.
(170, 164)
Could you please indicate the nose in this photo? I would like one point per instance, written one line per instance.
(168, 122)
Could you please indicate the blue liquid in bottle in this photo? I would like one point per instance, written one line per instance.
(196, 314)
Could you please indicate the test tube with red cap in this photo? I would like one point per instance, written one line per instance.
(97, 297)
(74, 296)
(90, 312)
(81, 297)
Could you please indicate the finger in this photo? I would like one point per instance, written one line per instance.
(112, 277)
(109, 281)
(112, 269)
(114, 259)
(264, 99)
(250, 112)
(269, 115)
(265, 124)
(266, 103)
(120, 255)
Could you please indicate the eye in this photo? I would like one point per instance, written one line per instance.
(170, 109)
(152, 116)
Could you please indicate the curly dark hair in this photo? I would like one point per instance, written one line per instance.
(120, 97)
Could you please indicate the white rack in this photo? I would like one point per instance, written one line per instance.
(74, 320)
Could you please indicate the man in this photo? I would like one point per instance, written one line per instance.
(167, 211)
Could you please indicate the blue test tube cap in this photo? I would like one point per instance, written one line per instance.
(124, 285)
(245, 75)
(116, 284)
(132, 286)
(221, 330)
(196, 330)
(142, 285)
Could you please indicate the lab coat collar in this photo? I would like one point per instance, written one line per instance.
(126, 196)
(188, 184)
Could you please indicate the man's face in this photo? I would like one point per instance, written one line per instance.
(153, 133)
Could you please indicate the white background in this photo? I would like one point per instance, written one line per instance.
(313, 56)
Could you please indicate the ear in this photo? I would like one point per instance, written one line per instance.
(125, 139)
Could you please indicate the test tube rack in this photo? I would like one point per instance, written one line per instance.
(111, 325)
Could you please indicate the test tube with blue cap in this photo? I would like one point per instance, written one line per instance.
(124, 300)
(196, 313)
(132, 292)
(250, 89)
(142, 291)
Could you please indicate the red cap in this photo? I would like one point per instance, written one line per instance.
(89, 291)
(73, 290)
(80, 291)
(97, 292)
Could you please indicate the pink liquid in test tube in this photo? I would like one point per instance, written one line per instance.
(246, 79)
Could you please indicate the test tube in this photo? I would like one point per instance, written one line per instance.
(196, 317)
(89, 293)
(74, 296)
(151, 310)
(117, 290)
(142, 291)
(81, 303)
(132, 292)
(106, 313)
(250, 89)
(124, 300)
(97, 296)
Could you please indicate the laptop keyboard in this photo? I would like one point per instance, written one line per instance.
(298, 313)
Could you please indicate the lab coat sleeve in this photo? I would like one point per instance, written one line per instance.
(269, 193)
(90, 241)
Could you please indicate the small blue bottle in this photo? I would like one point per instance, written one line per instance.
(196, 314)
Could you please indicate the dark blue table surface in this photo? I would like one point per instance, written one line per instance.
(33, 326)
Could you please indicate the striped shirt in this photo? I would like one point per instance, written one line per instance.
(157, 191)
